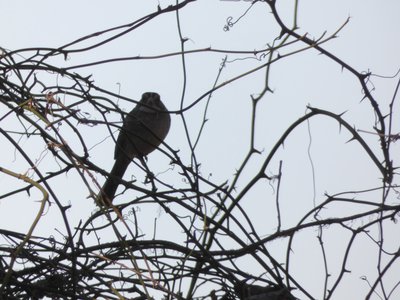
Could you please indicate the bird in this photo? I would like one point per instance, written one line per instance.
(142, 131)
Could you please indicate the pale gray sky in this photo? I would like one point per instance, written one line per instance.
(369, 42)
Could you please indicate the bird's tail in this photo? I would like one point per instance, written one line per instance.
(109, 188)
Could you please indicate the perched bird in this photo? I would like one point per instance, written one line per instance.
(143, 130)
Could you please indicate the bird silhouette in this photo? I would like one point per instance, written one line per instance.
(143, 130)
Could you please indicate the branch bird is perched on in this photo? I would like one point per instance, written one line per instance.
(143, 130)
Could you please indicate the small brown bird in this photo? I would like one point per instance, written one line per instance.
(143, 130)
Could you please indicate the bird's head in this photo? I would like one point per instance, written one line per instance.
(151, 99)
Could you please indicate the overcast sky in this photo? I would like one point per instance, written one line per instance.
(369, 42)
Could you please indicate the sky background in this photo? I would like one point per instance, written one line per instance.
(369, 43)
